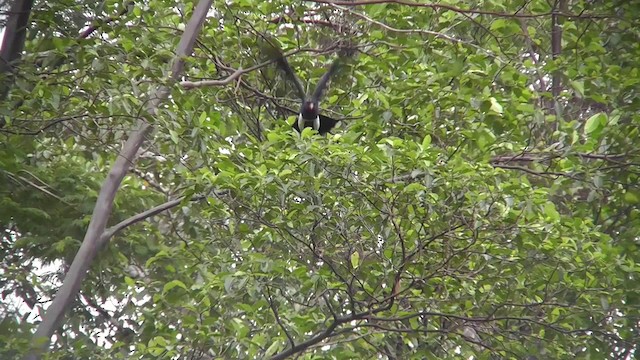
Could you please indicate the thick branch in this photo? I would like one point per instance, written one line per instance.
(556, 47)
(13, 40)
(91, 243)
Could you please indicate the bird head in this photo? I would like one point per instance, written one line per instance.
(309, 110)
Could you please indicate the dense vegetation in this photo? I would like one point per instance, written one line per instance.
(478, 199)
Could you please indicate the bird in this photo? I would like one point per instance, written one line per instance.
(309, 115)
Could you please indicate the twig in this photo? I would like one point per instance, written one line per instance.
(411, 31)
(459, 10)
(204, 83)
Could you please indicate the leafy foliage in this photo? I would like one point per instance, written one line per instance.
(478, 199)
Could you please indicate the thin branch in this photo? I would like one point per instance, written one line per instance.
(538, 157)
(329, 331)
(533, 54)
(144, 215)
(283, 19)
(45, 127)
(152, 183)
(18, 178)
(277, 317)
(304, 345)
(412, 31)
(240, 71)
(230, 78)
(459, 10)
(537, 173)
(96, 25)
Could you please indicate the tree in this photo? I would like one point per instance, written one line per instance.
(478, 199)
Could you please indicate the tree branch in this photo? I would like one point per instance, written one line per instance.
(142, 216)
(92, 241)
(15, 31)
(204, 83)
(412, 31)
(96, 25)
(303, 345)
(459, 10)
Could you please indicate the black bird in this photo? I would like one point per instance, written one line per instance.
(309, 115)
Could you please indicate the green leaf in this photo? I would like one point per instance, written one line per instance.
(595, 123)
(377, 9)
(355, 259)
(172, 284)
(174, 136)
(426, 141)
(495, 105)
(551, 212)
(631, 197)
(203, 118)
(578, 86)
(463, 180)
(273, 348)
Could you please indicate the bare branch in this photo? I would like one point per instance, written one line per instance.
(142, 216)
(198, 84)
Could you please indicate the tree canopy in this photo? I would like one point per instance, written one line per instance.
(478, 198)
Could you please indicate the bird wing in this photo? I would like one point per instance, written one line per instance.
(284, 65)
(322, 84)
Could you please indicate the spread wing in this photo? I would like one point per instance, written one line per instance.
(322, 84)
(284, 65)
